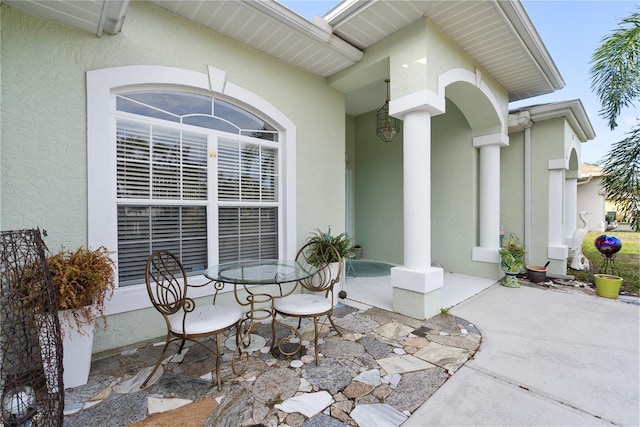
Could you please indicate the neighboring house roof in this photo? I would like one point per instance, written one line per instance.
(498, 35)
(589, 171)
(573, 111)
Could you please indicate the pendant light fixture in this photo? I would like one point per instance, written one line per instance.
(388, 127)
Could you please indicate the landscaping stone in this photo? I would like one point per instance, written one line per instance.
(383, 367)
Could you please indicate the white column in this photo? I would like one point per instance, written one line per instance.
(417, 286)
(570, 208)
(489, 196)
(556, 247)
(417, 189)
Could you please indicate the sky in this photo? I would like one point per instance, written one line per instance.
(571, 30)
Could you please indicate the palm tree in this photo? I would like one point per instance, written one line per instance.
(615, 78)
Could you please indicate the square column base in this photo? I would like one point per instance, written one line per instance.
(417, 292)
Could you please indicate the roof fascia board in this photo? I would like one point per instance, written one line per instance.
(295, 22)
(346, 10)
(112, 17)
(573, 111)
(522, 26)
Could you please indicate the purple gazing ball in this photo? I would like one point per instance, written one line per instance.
(607, 245)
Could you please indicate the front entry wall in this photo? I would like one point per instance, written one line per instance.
(44, 125)
(422, 72)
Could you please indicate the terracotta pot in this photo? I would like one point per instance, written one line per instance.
(536, 273)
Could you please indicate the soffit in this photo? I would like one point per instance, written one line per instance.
(271, 28)
(498, 35)
(94, 16)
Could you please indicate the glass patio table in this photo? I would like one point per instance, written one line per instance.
(248, 276)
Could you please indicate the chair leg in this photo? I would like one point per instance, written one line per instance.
(218, 359)
(273, 331)
(315, 335)
(164, 350)
(238, 354)
(334, 325)
(181, 346)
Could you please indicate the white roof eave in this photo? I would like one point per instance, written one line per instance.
(323, 38)
(573, 111)
(309, 29)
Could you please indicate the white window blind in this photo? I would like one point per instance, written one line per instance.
(247, 173)
(157, 164)
(162, 173)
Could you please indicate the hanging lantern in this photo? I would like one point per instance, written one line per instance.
(388, 127)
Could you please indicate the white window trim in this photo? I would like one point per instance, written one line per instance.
(101, 159)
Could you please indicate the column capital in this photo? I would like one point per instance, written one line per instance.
(558, 164)
(498, 139)
(424, 100)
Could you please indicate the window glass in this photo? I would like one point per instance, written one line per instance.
(248, 233)
(163, 174)
(196, 110)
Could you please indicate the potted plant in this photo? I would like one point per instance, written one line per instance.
(357, 251)
(511, 260)
(342, 244)
(608, 285)
(82, 279)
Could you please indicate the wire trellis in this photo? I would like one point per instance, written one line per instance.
(31, 381)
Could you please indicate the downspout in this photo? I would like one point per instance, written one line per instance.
(524, 120)
(588, 180)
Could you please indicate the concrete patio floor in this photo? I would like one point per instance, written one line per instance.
(548, 356)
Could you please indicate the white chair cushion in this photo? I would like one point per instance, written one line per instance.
(303, 304)
(206, 319)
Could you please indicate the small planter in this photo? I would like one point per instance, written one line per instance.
(536, 273)
(608, 286)
(511, 260)
(77, 349)
(357, 252)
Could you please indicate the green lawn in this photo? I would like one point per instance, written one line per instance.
(627, 260)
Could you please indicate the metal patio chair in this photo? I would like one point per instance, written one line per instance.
(167, 287)
(309, 298)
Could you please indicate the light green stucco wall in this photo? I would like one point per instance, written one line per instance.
(548, 141)
(414, 58)
(454, 195)
(454, 203)
(378, 197)
(43, 123)
(417, 56)
(512, 196)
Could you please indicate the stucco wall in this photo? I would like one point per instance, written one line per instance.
(43, 122)
(420, 58)
(512, 171)
(590, 199)
(453, 191)
(454, 203)
(379, 200)
(551, 140)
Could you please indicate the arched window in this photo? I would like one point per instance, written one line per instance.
(163, 180)
(190, 170)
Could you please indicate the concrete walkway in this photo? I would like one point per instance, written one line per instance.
(548, 358)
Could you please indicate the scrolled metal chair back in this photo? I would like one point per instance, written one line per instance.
(166, 282)
(323, 258)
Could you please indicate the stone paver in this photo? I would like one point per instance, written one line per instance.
(382, 368)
